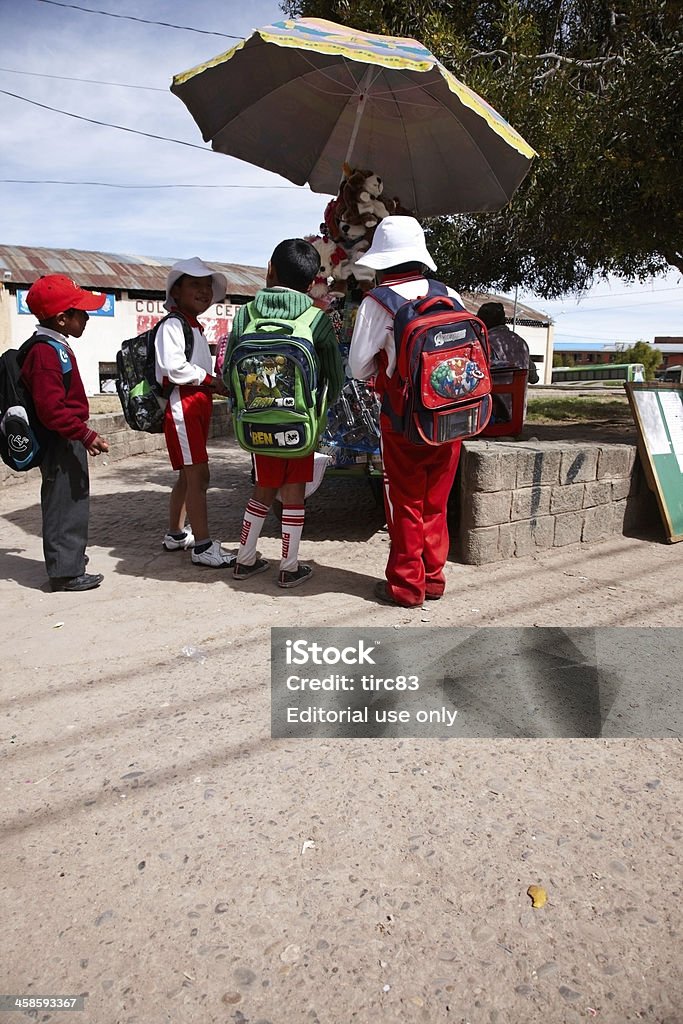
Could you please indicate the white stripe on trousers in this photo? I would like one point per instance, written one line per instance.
(179, 421)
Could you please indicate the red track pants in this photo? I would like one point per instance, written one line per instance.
(417, 482)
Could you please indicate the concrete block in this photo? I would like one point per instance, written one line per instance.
(506, 540)
(524, 539)
(619, 515)
(597, 492)
(566, 499)
(616, 461)
(488, 468)
(533, 535)
(488, 508)
(136, 444)
(568, 528)
(599, 523)
(8, 478)
(538, 467)
(621, 488)
(478, 547)
(542, 532)
(530, 503)
(578, 465)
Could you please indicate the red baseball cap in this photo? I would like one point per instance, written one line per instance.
(55, 293)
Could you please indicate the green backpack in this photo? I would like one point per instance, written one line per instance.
(279, 407)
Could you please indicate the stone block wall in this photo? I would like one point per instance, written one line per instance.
(518, 498)
(124, 442)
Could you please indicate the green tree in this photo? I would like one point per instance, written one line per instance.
(563, 359)
(597, 93)
(641, 352)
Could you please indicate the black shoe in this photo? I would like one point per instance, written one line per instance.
(293, 579)
(87, 581)
(245, 572)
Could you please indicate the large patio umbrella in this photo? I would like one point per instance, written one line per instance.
(302, 97)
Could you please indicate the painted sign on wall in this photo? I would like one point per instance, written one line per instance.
(106, 310)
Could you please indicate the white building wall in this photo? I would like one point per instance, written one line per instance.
(103, 335)
(540, 342)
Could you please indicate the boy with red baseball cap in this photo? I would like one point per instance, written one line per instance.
(50, 372)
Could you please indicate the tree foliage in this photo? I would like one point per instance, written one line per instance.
(641, 352)
(595, 89)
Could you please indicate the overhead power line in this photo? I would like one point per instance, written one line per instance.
(105, 124)
(89, 81)
(114, 184)
(144, 21)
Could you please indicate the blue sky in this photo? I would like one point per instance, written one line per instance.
(233, 224)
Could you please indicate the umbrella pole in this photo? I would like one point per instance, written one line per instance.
(362, 98)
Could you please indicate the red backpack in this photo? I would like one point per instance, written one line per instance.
(441, 389)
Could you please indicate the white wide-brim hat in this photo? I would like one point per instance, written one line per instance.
(196, 268)
(397, 240)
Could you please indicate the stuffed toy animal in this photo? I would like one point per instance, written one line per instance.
(347, 267)
(331, 257)
(359, 196)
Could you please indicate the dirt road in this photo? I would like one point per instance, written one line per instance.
(166, 858)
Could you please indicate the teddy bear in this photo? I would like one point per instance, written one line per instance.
(332, 255)
(347, 267)
(359, 197)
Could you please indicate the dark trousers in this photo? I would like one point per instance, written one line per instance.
(65, 503)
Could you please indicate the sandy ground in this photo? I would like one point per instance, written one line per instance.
(166, 858)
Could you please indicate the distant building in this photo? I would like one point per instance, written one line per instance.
(587, 352)
(136, 286)
(671, 349)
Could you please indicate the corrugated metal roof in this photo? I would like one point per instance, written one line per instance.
(108, 271)
(524, 314)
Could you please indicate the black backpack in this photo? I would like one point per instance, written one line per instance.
(23, 438)
(142, 398)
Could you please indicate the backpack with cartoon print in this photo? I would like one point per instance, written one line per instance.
(279, 406)
(440, 390)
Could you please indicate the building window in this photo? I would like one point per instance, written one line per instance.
(108, 374)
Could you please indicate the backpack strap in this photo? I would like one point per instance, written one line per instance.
(59, 347)
(305, 319)
(187, 330)
(308, 317)
(392, 301)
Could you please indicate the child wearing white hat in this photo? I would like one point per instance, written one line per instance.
(191, 287)
(417, 479)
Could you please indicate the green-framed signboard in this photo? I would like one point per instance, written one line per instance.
(658, 412)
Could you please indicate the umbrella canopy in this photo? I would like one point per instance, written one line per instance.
(301, 97)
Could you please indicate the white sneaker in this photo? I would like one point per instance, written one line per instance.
(215, 557)
(170, 543)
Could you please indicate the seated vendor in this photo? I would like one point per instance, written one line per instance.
(507, 349)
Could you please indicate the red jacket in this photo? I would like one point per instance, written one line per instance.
(65, 413)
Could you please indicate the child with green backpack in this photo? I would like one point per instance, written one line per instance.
(282, 367)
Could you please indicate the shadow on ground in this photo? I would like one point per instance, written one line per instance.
(129, 508)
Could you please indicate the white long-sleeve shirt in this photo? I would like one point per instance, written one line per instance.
(169, 350)
(374, 328)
